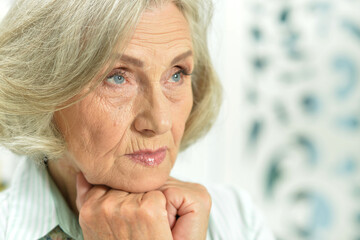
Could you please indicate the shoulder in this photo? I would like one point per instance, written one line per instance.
(22, 206)
(4, 210)
(234, 216)
(7, 203)
(4, 196)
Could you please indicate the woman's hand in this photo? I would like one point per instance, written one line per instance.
(188, 206)
(110, 214)
(178, 210)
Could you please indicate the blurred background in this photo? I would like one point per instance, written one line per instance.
(289, 128)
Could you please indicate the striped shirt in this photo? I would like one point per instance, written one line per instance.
(33, 208)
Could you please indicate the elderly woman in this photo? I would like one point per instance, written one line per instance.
(101, 96)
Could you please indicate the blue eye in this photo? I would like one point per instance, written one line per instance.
(116, 79)
(176, 77)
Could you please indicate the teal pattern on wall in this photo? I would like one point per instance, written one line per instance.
(305, 61)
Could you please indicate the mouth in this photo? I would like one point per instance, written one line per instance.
(149, 158)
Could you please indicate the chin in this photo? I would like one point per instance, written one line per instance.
(140, 179)
(144, 184)
(133, 178)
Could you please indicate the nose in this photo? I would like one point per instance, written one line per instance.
(154, 117)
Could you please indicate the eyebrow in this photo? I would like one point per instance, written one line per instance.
(181, 57)
(138, 63)
(132, 60)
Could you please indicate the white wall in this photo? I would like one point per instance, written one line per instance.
(314, 148)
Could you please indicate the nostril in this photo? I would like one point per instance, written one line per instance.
(148, 133)
(152, 125)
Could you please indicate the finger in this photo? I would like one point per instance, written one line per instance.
(174, 203)
(154, 198)
(181, 214)
(86, 191)
(82, 188)
(171, 213)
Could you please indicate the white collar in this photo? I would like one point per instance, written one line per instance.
(36, 205)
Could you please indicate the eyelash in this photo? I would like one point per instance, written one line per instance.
(121, 72)
(118, 72)
(183, 72)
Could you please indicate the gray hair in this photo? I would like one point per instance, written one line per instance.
(50, 50)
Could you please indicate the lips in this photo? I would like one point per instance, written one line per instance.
(149, 158)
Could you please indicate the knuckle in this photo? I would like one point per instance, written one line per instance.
(127, 210)
(199, 187)
(146, 213)
(204, 195)
(169, 191)
(207, 200)
(154, 205)
(156, 198)
(106, 207)
(86, 214)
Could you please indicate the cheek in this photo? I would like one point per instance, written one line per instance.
(180, 115)
(93, 131)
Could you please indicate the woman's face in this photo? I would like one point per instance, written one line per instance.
(126, 133)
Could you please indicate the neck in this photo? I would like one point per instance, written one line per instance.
(64, 176)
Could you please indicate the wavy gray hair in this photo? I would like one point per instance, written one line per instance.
(51, 49)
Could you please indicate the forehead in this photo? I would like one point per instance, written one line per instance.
(161, 30)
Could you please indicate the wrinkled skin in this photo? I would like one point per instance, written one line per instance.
(142, 104)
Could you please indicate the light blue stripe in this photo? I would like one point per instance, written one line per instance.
(36, 207)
